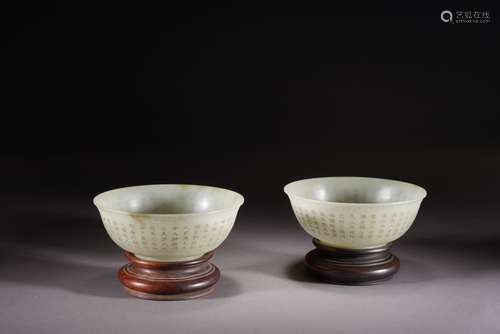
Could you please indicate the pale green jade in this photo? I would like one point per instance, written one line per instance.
(168, 222)
(355, 212)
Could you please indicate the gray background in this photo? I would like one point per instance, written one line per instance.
(58, 270)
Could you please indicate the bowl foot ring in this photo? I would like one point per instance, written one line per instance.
(352, 266)
(169, 280)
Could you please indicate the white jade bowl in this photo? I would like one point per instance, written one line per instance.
(168, 222)
(355, 212)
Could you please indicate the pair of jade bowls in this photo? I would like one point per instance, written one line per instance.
(169, 232)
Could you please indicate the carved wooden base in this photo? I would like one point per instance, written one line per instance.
(169, 280)
(350, 266)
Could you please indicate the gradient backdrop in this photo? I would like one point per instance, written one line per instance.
(247, 97)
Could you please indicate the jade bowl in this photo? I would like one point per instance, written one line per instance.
(355, 212)
(168, 222)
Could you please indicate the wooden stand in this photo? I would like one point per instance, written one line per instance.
(169, 280)
(351, 266)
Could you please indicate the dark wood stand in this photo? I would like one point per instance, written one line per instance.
(169, 280)
(350, 266)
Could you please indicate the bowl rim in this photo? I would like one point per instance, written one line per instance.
(286, 189)
(240, 201)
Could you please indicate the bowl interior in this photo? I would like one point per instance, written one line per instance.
(355, 190)
(168, 199)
